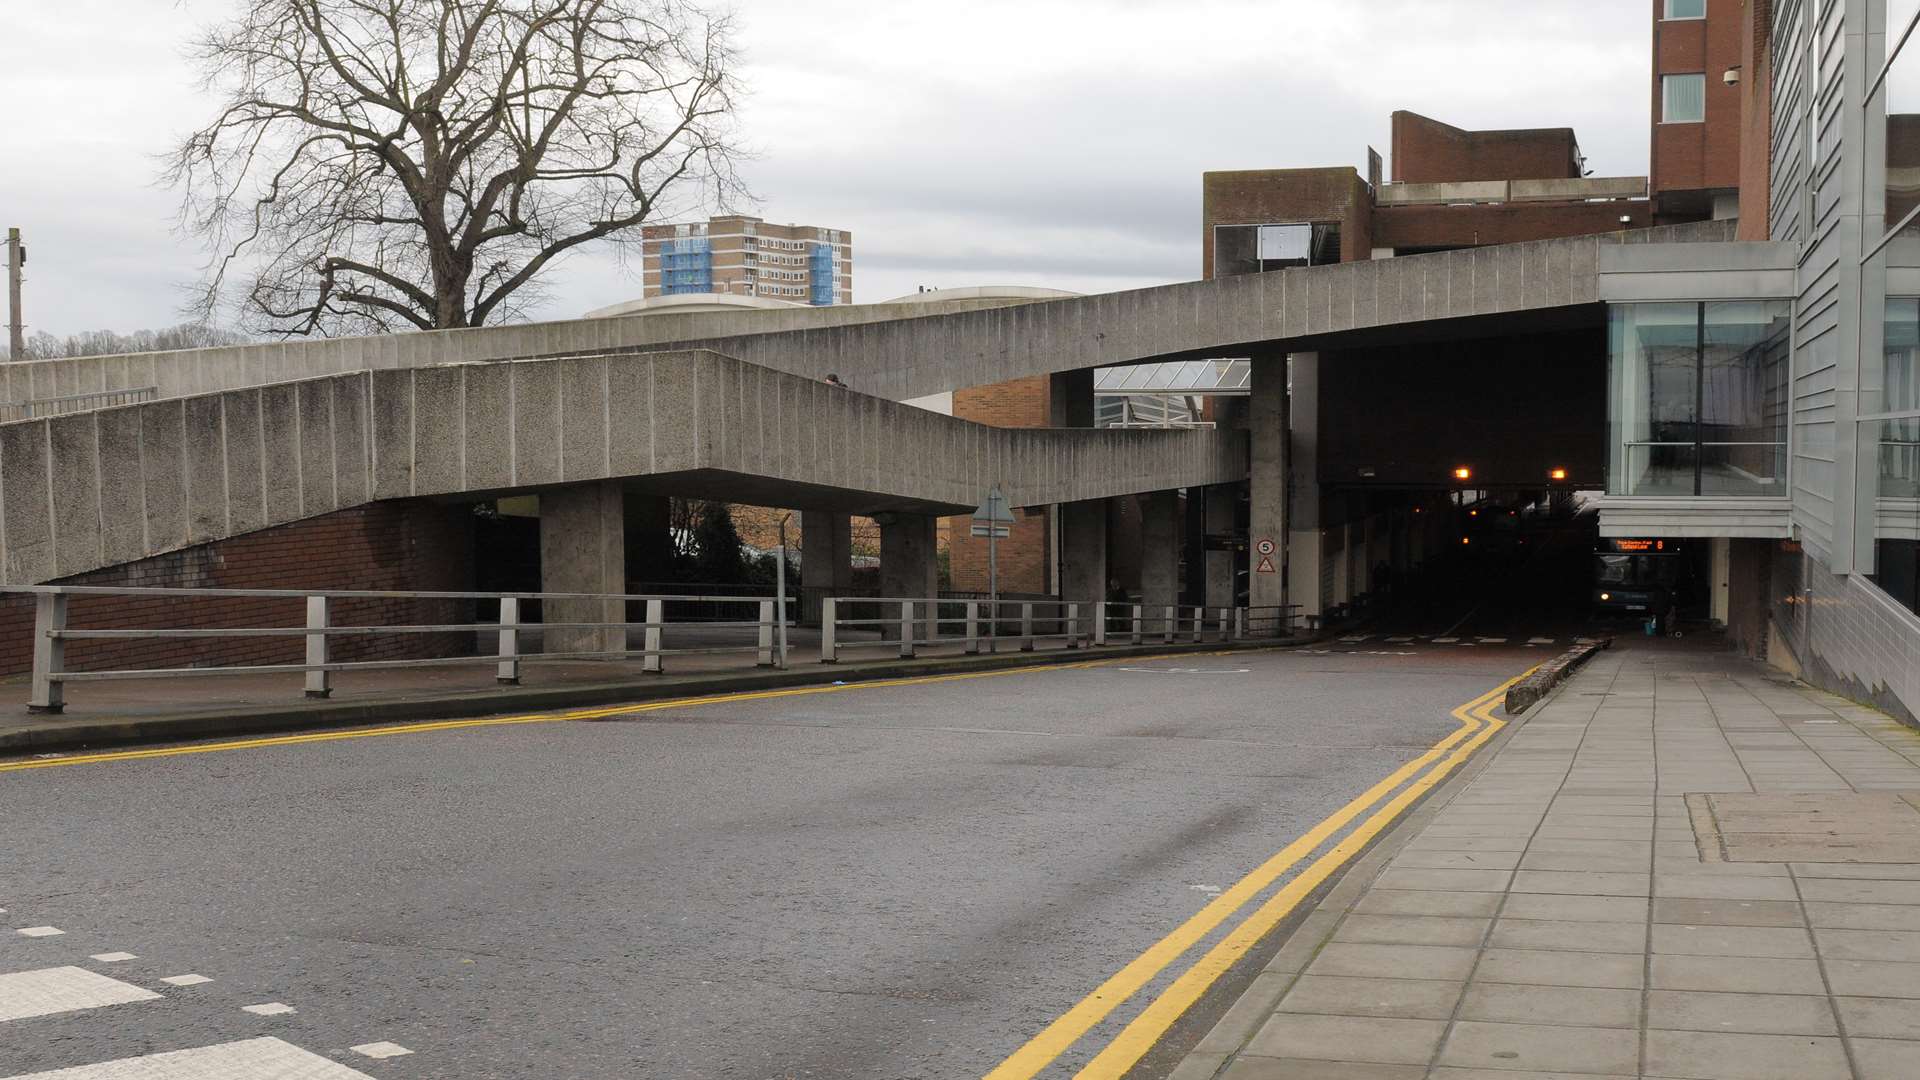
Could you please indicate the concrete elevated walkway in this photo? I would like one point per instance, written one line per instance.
(889, 351)
(93, 489)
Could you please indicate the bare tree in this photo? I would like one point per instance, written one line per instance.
(383, 164)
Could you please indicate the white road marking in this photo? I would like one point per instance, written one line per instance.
(1399, 639)
(1493, 641)
(252, 1059)
(1445, 640)
(112, 957)
(63, 989)
(381, 1049)
(40, 931)
(1539, 641)
(271, 1008)
(185, 980)
(1355, 639)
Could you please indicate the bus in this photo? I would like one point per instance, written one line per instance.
(1646, 577)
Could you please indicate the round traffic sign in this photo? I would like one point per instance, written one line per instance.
(1265, 546)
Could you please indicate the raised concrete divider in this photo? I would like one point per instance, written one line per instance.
(1527, 693)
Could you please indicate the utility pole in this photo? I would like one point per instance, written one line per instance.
(16, 331)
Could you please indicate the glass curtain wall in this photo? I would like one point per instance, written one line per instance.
(1892, 396)
(1698, 400)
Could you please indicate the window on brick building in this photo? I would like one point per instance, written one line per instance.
(1686, 9)
(1683, 98)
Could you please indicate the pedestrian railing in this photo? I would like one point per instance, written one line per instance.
(1269, 620)
(52, 632)
(55, 406)
(907, 623)
(1139, 624)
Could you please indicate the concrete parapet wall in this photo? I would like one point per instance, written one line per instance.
(88, 490)
(878, 351)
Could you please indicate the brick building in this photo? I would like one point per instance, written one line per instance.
(737, 255)
(1701, 56)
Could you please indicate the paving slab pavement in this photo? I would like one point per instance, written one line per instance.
(1575, 910)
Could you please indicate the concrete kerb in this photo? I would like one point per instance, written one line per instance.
(1526, 693)
(98, 732)
(1309, 933)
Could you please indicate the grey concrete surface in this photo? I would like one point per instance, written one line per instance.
(1557, 916)
(902, 882)
(690, 423)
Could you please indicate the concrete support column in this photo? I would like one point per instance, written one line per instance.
(1267, 422)
(1219, 507)
(826, 560)
(1083, 551)
(1159, 550)
(1306, 562)
(583, 549)
(909, 562)
(1719, 578)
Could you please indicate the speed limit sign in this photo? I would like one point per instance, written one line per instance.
(1265, 546)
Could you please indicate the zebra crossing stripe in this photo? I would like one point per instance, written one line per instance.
(1539, 641)
(250, 1059)
(1400, 639)
(1493, 641)
(1445, 640)
(62, 989)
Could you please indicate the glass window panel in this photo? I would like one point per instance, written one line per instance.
(1652, 363)
(1743, 397)
(1686, 9)
(1896, 386)
(1902, 93)
(1897, 511)
(1900, 14)
(1287, 244)
(1683, 99)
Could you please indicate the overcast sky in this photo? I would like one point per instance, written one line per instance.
(1042, 142)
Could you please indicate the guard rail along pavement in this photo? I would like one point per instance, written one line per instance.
(904, 624)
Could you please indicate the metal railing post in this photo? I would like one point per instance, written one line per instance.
(509, 669)
(1239, 624)
(906, 628)
(656, 620)
(829, 654)
(1224, 624)
(973, 628)
(49, 653)
(1099, 622)
(1026, 626)
(766, 634)
(1169, 623)
(1139, 617)
(318, 684)
(1199, 624)
(1073, 626)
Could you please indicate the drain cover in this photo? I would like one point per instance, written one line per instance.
(1836, 827)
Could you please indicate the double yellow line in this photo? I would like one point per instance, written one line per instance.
(1477, 725)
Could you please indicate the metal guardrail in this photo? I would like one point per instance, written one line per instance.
(51, 633)
(55, 406)
(917, 621)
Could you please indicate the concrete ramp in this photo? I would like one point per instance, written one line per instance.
(99, 488)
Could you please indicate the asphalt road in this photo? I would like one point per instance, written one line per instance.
(899, 881)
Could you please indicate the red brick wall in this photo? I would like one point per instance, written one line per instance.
(1505, 223)
(1696, 157)
(1426, 151)
(413, 546)
(1020, 403)
(1271, 196)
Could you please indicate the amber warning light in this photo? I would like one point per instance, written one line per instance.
(1557, 474)
(1463, 473)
